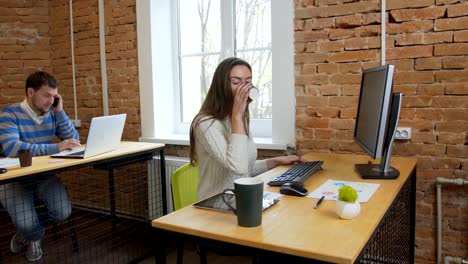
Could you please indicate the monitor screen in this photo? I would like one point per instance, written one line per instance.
(373, 109)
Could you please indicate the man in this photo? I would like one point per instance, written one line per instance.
(34, 124)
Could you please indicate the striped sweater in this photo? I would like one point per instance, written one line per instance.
(19, 131)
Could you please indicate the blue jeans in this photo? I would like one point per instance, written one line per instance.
(19, 199)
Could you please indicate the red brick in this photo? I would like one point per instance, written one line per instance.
(342, 123)
(431, 89)
(323, 112)
(452, 126)
(347, 113)
(416, 77)
(325, 133)
(410, 27)
(315, 101)
(340, 33)
(423, 137)
(321, 23)
(417, 14)
(450, 102)
(417, 101)
(328, 68)
(301, 36)
(345, 78)
(329, 90)
(409, 52)
(309, 69)
(399, 4)
(451, 138)
(352, 67)
(310, 58)
(371, 18)
(299, 47)
(451, 49)
(331, 46)
(459, 151)
(431, 63)
(456, 89)
(348, 21)
(420, 149)
(343, 101)
(455, 114)
(312, 79)
(429, 114)
(402, 64)
(457, 10)
(450, 23)
(303, 25)
(458, 62)
(353, 56)
(362, 43)
(367, 31)
(350, 89)
(452, 76)
(460, 36)
(424, 38)
(336, 10)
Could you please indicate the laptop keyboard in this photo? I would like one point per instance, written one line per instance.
(77, 153)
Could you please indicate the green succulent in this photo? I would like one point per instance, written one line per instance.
(347, 194)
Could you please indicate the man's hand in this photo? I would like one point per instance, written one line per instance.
(68, 144)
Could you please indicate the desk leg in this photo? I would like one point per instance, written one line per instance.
(413, 214)
(160, 246)
(112, 200)
(162, 162)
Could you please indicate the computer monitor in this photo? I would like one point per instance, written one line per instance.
(376, 121)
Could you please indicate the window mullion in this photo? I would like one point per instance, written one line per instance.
(227, 28)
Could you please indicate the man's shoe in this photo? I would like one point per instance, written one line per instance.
(34, 251)
(17, 243)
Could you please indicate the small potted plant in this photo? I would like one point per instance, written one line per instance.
(347, 205)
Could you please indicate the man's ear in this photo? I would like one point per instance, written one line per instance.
(30, 92)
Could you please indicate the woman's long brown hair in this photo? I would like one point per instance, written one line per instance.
(219, 100)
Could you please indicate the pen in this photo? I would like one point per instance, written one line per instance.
(319, 202)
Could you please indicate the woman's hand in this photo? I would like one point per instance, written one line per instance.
(283, 160)
(238, 108)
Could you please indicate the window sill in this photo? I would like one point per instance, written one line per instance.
(183, 139)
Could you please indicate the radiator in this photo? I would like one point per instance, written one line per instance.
(154, 183)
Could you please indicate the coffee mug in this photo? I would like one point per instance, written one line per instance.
(25, 157)
(253, 93)
(249, 201)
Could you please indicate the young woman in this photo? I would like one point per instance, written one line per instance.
(220, 139)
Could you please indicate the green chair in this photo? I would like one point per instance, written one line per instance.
(184, 182)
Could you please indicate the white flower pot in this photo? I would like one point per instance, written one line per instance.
(347, 210)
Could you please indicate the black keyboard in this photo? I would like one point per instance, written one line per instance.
(297, 173)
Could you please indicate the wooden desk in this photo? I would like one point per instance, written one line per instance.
(293, 227)
(129, 160)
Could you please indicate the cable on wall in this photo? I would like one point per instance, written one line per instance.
(383, 23)
(102, 48)
(72, 47)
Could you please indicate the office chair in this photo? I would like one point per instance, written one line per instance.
(184, 183)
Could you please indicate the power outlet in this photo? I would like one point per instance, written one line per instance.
(403, 133)
(76, 123)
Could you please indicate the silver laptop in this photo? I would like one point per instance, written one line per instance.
(105, 133)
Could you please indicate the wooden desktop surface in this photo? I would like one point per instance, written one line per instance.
(292, 226)
(46, 163)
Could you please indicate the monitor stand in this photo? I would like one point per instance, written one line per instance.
(383, 170)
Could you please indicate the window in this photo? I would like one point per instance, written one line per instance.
(180, 43)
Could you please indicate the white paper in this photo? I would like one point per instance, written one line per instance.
(9, 162)
(330, 190)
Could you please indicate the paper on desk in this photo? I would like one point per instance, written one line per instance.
(9, 162)
(330, 190)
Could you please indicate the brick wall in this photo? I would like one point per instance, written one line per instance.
(427, 41)
(24, 45)
(334, 40)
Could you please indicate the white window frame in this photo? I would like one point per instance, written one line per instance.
(157, 59)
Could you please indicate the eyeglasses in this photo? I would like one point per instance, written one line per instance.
(238, 81)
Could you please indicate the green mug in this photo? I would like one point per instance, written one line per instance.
(249, 201)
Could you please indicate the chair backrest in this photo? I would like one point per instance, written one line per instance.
(184, 182)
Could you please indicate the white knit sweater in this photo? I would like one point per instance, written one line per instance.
(223, 156)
